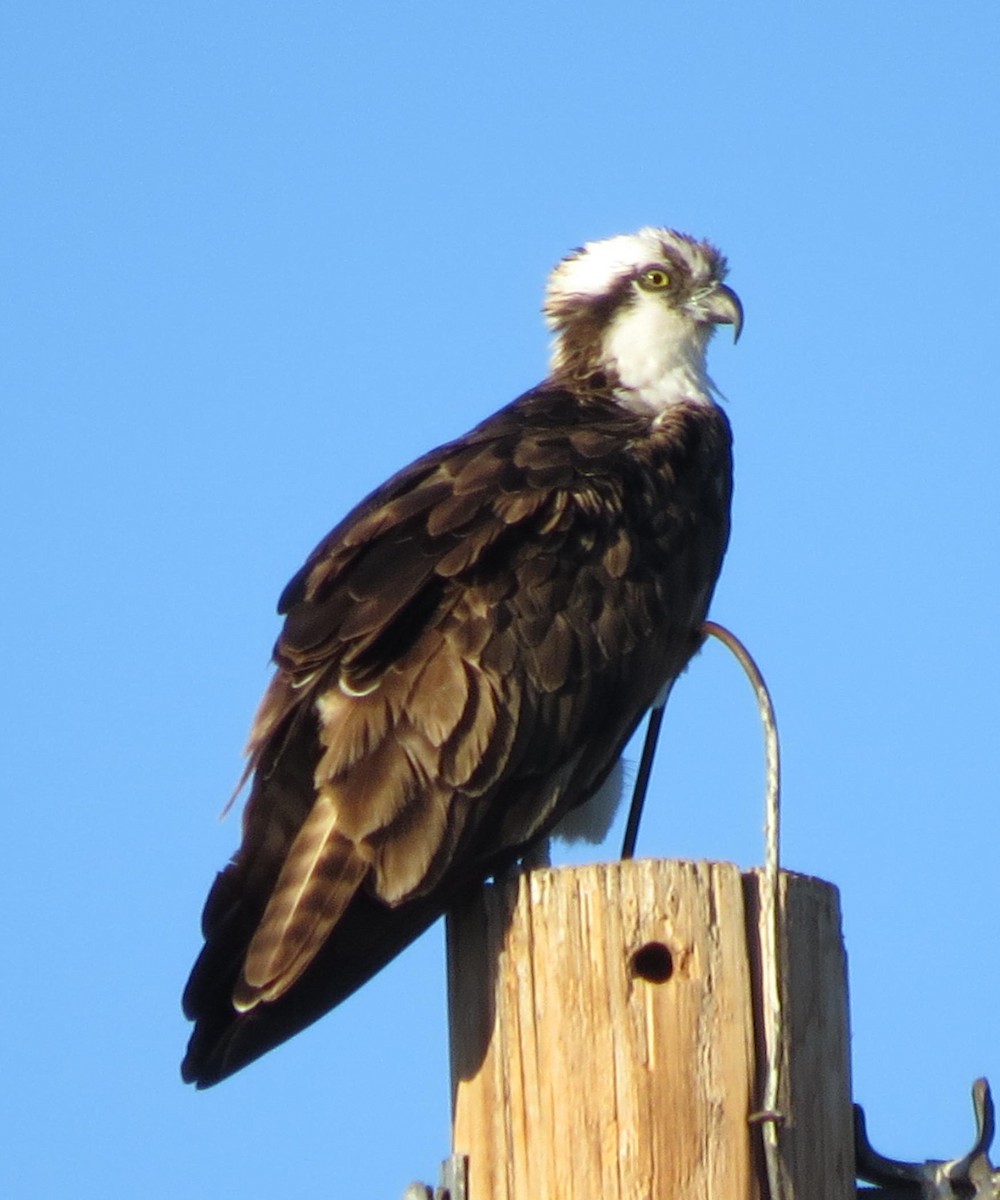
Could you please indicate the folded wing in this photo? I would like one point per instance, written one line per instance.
(462, 660)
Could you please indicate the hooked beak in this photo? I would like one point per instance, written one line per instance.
(722, 307)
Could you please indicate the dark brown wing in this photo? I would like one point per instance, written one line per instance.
(462, 660)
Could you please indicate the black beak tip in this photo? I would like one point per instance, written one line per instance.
(736, 309)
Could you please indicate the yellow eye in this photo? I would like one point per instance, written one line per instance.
(654, 280)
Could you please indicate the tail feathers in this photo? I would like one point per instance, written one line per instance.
(320, 876)
(228, 924)
(368, 935)
(224, 1040)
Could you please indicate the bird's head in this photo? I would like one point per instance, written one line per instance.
(634, 314)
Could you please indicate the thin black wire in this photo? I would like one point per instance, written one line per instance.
(642, 779)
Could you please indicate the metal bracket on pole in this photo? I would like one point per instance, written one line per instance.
(454, 1183)
(971, 1177)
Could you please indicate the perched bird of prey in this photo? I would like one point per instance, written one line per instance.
(465, 656)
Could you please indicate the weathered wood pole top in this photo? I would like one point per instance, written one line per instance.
(606, 1036)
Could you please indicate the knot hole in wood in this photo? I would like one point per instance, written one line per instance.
(652, 962)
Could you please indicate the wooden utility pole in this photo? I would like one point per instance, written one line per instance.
(607, 1036)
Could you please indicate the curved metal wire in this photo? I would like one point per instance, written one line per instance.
(768, 1114)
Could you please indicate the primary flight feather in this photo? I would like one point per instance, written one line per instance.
(465, 656)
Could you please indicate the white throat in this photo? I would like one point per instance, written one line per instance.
(657, 355)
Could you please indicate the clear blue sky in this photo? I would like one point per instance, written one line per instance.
(256, 257)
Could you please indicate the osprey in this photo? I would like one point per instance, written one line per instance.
(465, 656)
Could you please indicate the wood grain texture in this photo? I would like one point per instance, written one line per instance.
(573, 1078)
(596, 1083)
(816, 1141)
